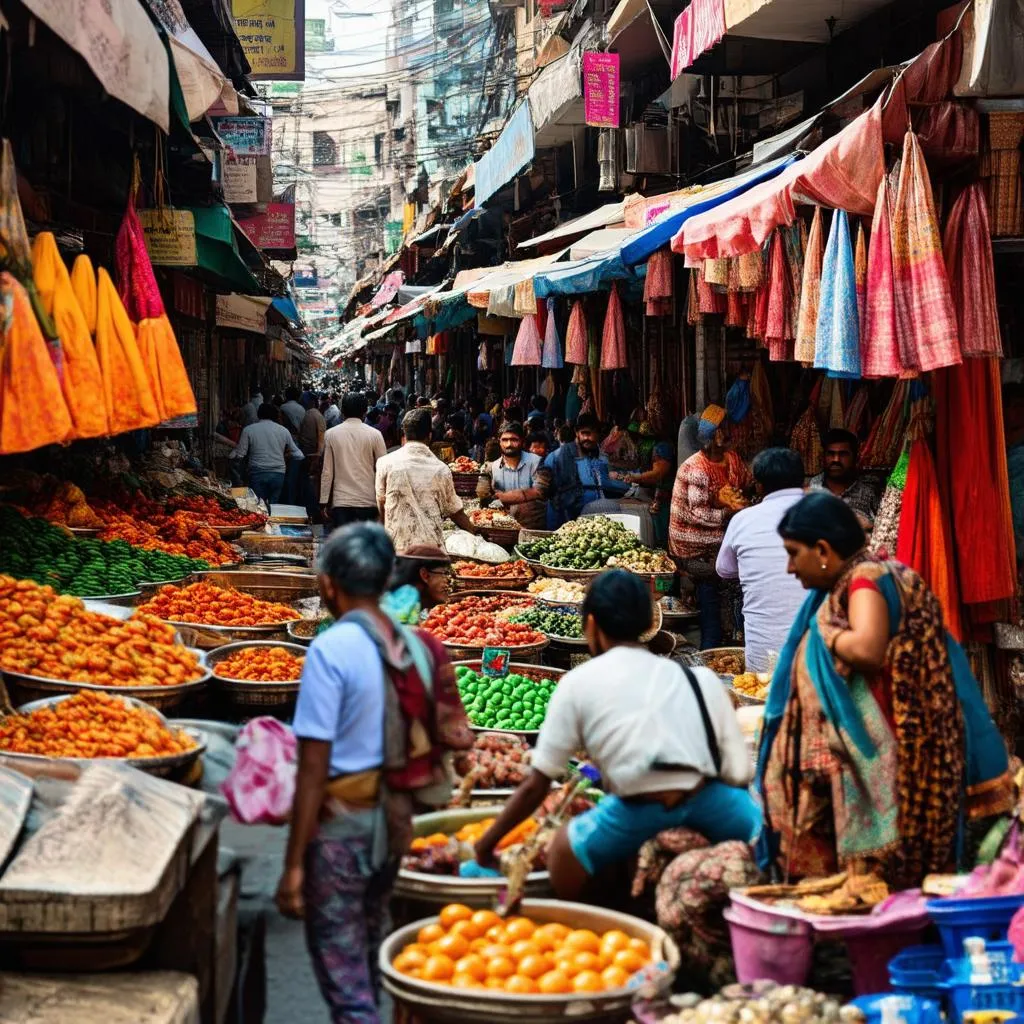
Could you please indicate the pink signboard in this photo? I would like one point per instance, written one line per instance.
(274, 229)
(601, 89)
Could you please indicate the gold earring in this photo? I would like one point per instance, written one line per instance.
(824, 565)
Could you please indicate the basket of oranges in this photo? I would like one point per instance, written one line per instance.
(552, 961)
(258, 673)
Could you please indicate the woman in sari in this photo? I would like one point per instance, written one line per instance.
(877, 743)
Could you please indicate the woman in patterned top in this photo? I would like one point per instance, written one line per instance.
(877, 741)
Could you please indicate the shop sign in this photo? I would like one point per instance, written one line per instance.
(242, 312)
(273, 229)
(601, 89)
(244, 136)
(495, 662)
(238, 180)
(170, 237)
(514, 149)
(272, 34)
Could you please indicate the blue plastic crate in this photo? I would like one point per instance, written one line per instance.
(1005, 993)
(913, 1009)
(987, 918)
(918, 971)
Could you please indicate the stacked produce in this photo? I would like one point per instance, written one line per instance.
(557, 624)
(493, 518)
(441, 854)
(504, 604)
(643, 560)
(558, 591)
(583, 544)
(206, 604)
(511, 702)
(517, 955)
(469, 627)
(494, 761)
(214, 512)
(764, 1002)
(464, 464)
(91, 724)
(503, 571)
(262, 665)
(55, 637)
(725, 662)
(33, 549)
(752, 684)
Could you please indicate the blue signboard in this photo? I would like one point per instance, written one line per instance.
(508, 156)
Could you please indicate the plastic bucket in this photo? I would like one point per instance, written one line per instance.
(870, 955)
(776, 950)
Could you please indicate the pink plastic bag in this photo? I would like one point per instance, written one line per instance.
(261, 785)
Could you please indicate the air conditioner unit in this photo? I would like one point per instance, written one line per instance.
(608, 160)
(647, 150)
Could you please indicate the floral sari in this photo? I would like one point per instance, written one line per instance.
(878, 768)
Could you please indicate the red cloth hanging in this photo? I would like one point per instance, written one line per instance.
(879, 348)
(658, 284)
(778, 327)
(527, 350)
(708, 299)
(576, 335)
(970, 449)
(922, 542)
(613, 336)
(810, 292)
(968, 249)
(925, 318)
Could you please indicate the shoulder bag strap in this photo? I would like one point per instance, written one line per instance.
(716, 754)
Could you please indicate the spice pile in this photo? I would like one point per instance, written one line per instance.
(503, 571)
(261, 665)
(34, 549)
(213, 512)
(206, 604)
(55, 637)
(91, 724)
(516, 955)
(512, 702)
(146, 525)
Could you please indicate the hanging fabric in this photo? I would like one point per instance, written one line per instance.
(750, 271)
(925, 319)
(810, 293)
(33, 412)
(794, 240)
(693, 299)
(552, 356)
(658, 284)
(81, 381)
(885, 440)
(15, 255)
(860, 277)
(716, 272)
(806, 437)
(855, 419)
(708, 299)
(576, 335)
(968, 250)
(527, 351)
(126, 387)
(778, 330)
(736, 309)
(613, 336)
(837, 349)
(885, 532)
(83, 281)
(880, 353)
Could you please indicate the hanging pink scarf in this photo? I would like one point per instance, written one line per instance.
(528, 343)
(810, 293)
(613, 337)
(576, 336)
(880, 355)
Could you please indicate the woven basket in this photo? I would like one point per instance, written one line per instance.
(663, 643)
(465, 484)
(464, 583)
(583, 575)
(528, 671)
(503, 536)
(527, 655)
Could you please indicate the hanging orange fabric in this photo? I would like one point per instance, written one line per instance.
(810, 293)
(126, 388)
(33, 412)
(82, 380)
(140, 294)
(83, 281)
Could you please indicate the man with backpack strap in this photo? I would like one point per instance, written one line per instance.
(378, 708)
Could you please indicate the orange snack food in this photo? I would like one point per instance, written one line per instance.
(91, 724)
(209, 605)
(505, 570)
(262, 665)
(56, 637)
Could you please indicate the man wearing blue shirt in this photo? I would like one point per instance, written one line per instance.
(580, 474)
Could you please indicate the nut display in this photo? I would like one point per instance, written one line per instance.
(207, 604)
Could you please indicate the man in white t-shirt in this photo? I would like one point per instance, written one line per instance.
(668, 747)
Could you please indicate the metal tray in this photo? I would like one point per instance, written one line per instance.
(248, 691)
(172, 764)
(85, 531)
(125, 600)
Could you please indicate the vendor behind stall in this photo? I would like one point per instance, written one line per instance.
(518, 479)
(420, 581)
(665, 740)
(842, 478)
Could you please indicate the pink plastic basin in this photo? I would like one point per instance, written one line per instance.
(776, 950)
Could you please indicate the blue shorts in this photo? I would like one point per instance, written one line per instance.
(616, 829)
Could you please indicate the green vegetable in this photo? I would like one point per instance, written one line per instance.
(583, 544)
(514, 702)
(553, 623)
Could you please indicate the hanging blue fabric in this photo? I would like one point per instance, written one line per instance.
(837, 345)
(551, 358)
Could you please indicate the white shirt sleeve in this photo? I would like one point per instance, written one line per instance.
(737, 767)
(727, 565)
(560, 735)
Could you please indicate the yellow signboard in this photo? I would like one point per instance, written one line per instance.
(170, 237)
(272, 33)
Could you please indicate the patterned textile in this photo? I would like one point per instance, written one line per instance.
(576, 335)
(656, 853)
(837, 348)
(613, 336)
(527, 350)
(880, 351)
(810, 294)
(346, 921)
(925, 318)
(887, 523)
(908, 760)
(697, 521)
(708, 299)
(860, 275)
(552, 355)
(968, 249)
(691, 895)
(658, 284)
(779, 327)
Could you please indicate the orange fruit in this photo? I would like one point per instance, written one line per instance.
(614, 940)
(545, 941)
(524, 947)
(454, 946)
(533, 965)
(453, 913)
(519, 983)
(466, 929)
(614, 977)
(566, 963)
(495, 983)
(641, 947)
(466, 981)
(501, 967)
(557, 931)
(430, 933)
(438, 968)
(583, 940)
(484, 919)
(517, 928)
(416, 947)
(496, 933)
(473, 965)
(407, 961)
(495, 949)
(629, 960)
(587, 962)
(554, 983)
(587, 981)
(477, 944)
